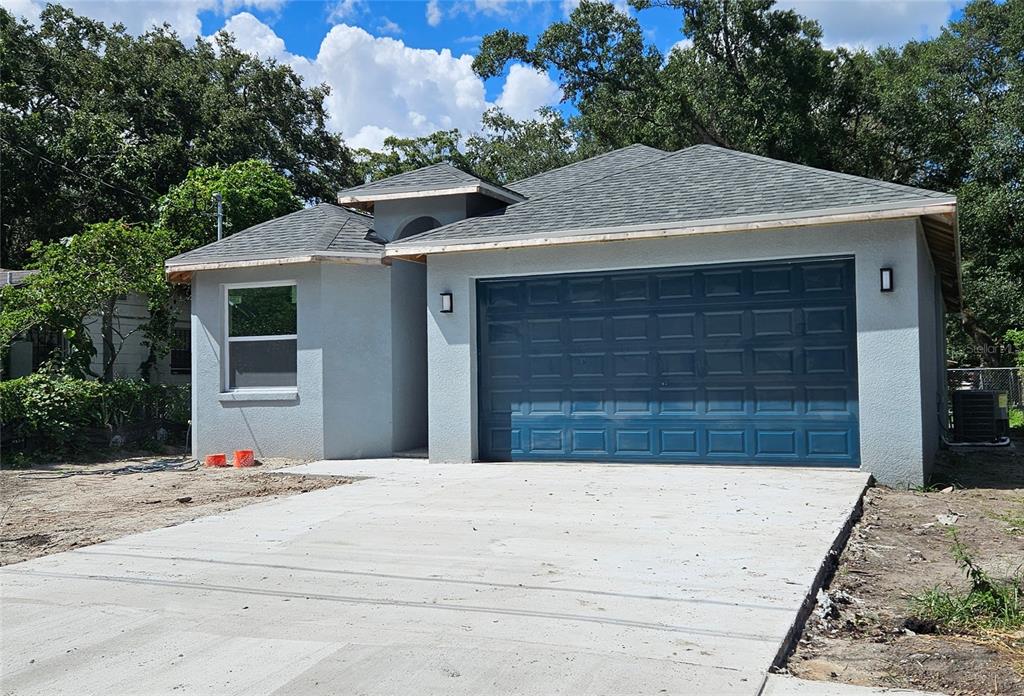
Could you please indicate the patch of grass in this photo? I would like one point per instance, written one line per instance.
(988, 604)
(1014, 521)
(1016, 419)
(928, 487)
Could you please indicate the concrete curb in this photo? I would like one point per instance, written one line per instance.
(826, 571)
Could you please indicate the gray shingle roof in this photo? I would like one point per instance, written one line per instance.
(323, 229)
(572, 175)
(690, 186)
(436, 177)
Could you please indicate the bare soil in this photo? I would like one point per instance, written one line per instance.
(901, 548)
(44, 511)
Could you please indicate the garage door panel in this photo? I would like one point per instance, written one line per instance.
(680, 442)
(749, 362)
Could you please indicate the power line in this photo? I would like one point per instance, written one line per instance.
(76, 173)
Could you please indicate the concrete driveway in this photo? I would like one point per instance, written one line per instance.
(454, 579)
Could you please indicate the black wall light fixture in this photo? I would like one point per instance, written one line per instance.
(886, 280)
(447, 303)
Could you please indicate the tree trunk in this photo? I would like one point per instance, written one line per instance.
(988, 350)
(109, 353)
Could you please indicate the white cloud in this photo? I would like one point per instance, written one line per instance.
(433, 12)
(873, 23)
(492, 7)
(138, 17)
(381, 87)
(345, 9)
(621, 5)
(527, 90)
(681, 45)
(386, 26)
(380, 84)
(229, 6)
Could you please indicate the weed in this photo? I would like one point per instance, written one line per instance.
(1014, 521)
(989, 603)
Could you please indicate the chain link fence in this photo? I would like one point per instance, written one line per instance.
(1005, 379)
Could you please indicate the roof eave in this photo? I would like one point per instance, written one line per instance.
(932, 206)
(182, 272)
(496, 192)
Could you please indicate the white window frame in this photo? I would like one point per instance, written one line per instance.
(228, 338)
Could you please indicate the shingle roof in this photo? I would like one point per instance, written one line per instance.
(325, 229)
(693, 185)
(436, 177)
(572, 175)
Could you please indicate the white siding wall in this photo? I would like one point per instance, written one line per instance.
(131, 313)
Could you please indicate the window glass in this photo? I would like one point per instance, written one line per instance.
(262, 363)
(181, 352)
(266, 311)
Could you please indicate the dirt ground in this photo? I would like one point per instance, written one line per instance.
(900, 548)
(42, 512)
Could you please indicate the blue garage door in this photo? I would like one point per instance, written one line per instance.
(710, 364)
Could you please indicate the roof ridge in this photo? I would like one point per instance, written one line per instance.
(889, 185)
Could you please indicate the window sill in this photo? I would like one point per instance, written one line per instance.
(259, 395)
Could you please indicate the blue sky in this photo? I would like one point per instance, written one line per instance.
(403, 67)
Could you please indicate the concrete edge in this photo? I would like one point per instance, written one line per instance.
(822, 578)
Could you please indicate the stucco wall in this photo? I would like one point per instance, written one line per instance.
(361, 365)
(357, 380)
(271, 426)
(933, 353)
(389, 217)
(409, 354)
(888, 343)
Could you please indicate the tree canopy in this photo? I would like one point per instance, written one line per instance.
(99, 124)
(504, 150)
(251, 192)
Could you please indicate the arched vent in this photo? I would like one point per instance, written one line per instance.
(418, 225)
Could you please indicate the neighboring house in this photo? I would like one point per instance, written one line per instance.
(28, 352)
(702, 306)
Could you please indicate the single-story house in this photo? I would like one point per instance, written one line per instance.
(30, 350)
(702, 306)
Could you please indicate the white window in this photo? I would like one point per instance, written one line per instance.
(261, 346)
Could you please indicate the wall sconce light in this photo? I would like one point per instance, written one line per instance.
(886, 279)
(447, 303)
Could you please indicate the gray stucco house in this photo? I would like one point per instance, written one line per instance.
(702, 306)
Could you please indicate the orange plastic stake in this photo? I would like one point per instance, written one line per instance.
(244, 458)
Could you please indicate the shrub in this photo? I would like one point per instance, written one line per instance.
(55, 413)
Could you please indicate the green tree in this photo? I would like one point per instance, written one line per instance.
(251, 191)
(98, 124)
(401, 155)
(504, 150)
(508, 150)
(88, 274)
